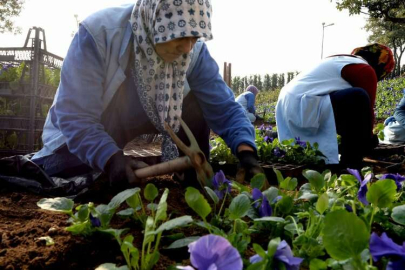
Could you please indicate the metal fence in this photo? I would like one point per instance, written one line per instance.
(25, 101)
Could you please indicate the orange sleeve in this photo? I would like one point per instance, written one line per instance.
(363, 76)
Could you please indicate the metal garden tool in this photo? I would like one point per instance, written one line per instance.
(194, 158)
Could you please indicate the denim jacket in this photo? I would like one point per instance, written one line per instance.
(94, 69)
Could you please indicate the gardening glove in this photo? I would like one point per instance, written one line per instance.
(249, 166)
(120, 170)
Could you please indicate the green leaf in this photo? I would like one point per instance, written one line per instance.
(344, 235)
(289, 183)
(48, 240)
(121, 197)
(152, 259)
(315, 179)
(174, 223)
(398, 214)
(270, 219)
(279, 176)
(212, 195)
(271, 194)
(197, 202)
(150, 192)
(105, 214)
(59, 204)
(285, 204)
(317, 264)
(149, 234)
(259, 250)
(83, 213)
(111, 266)
(272, 247)
(258, 181)
(382, 193)
(239, 207)
(134, 201)
(322, 203)
(161, 213)
(183, 242)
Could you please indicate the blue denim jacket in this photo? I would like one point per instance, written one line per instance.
(94, 69)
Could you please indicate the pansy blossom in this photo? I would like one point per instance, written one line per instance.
(221, 184)
(283, 254)
(213, 252)
(361, 194)
(384, 247)
(261, 203)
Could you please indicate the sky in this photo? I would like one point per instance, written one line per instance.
(255, 36)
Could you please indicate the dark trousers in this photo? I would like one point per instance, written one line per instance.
(117, 123)
(351, 108)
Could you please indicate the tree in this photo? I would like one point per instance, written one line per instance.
(281, 80)
(274, 80)
(8, 10)
(391, 34)
(388, 10)
(267, 82)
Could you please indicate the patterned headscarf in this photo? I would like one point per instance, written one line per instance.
(378, 56)
(253, 89)
(160, 85)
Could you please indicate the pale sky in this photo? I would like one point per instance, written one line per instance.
(256, 36)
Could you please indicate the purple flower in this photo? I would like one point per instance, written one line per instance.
(95, 221)
(284, 255)
(221, 184)
(384, 247)
(213, 252)
(300, 143)
(348, 208)
(261, 203)
(361, 194)
(262, 127)
(266, 138)
(396, 177)
(278, 152)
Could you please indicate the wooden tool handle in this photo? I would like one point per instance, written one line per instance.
(175, 165)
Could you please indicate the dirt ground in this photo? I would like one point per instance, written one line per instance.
(22, 223)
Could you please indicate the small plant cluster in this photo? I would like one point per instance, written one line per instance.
(271, 150)
(389, 93)
(352, 221)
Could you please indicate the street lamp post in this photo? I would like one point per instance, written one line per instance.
(323, 33)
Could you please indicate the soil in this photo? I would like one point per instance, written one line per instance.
(22, 223)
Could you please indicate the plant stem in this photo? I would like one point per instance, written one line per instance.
(223, 202)
(295, 223)
(207, 225)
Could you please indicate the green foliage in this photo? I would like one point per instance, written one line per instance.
(221, 153)
(392, 11)
(10, 9)
(345, 235)
(389, 93)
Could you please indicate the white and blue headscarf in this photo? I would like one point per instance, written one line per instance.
(160, 85)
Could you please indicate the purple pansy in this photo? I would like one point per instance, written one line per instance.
(261, 203)
(221, 184)
(300, 143)
(262, 127)
(213, 252)
(95, 221)
(278, 152)
(284, 255)
(384, 247)
(396, 177)
(361, 194)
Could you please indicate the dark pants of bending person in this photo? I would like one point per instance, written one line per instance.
(351, 108)
(117, 121)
